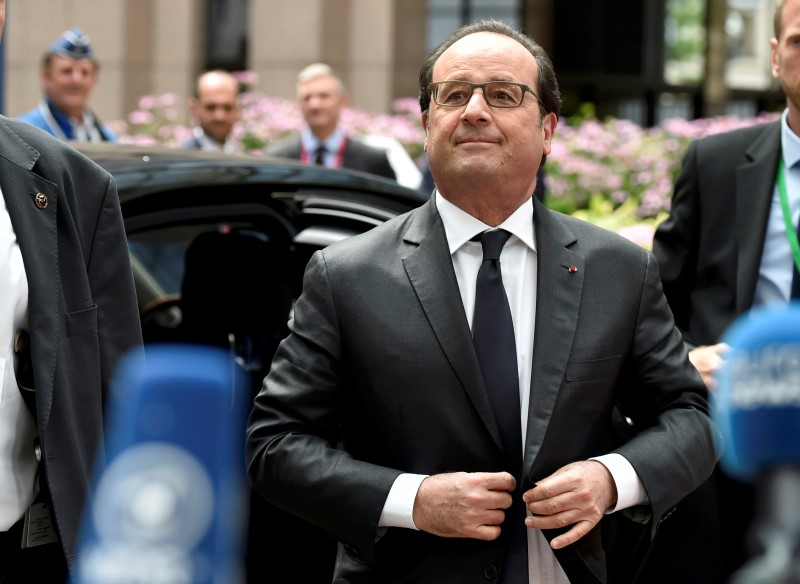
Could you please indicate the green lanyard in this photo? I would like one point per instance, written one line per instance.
(791, 234)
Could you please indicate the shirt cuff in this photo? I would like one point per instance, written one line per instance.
(398, 509)
(630, 491)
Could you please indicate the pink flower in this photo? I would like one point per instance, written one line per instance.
(140, 118)
(641, 234)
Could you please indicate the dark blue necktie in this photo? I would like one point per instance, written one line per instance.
(320, 159)
(493, 337)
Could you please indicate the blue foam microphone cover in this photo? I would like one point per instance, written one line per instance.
(758, 392)
(169, 503)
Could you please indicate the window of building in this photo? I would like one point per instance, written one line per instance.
(444, 16)
(748, 28)
(226, 34)
(685, 42)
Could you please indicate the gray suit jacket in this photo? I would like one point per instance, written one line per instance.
(82, 305)
(357, 156)
(709, 249)
(379, 376)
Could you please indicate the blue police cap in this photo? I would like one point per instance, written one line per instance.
(73, 44)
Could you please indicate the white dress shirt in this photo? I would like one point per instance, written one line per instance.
(774, 283)
(518, 262)
(212, 145)
(17, 429)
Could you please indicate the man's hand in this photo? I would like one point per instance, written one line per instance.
(463, 504)
(578, 494)
(707, 360)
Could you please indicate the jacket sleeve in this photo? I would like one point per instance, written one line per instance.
(294, 425)
(113, 290)
(676, 242)
(676, 447)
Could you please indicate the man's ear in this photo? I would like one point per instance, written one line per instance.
(425, 127)
(549, 124)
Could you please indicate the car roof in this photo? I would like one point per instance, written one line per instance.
(140, 170)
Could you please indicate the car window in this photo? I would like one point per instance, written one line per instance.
(162, 261)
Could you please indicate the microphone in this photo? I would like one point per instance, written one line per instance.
(168, 506)
(758, 412)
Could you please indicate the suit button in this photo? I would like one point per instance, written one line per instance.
(490, 572)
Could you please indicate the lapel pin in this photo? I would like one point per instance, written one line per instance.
(572, 269)
(40, 200)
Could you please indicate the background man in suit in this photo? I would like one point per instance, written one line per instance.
(215, 110)
(322, 98)
(69, 74)
(384, 422)
(67, 313)
(723, 250)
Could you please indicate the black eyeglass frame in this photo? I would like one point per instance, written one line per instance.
(482, 86)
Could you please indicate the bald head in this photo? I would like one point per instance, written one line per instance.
(215, 104)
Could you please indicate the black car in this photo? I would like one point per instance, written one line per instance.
(218, 246)
(237, 229)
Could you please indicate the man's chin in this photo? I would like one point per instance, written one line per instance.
(476, 167)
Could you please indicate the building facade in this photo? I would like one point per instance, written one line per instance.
(634, 59)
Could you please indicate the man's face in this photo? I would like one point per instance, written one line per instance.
(216, 108)
(321, 103)
(785, 58)
(475, 140)
(69, 83)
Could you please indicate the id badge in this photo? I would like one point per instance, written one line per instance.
(38, 526)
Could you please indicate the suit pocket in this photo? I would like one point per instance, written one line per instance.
(82, 321)
(593, 370)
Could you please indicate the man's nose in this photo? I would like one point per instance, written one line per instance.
(477, 110)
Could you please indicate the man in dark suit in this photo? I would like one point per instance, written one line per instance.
(67, 313)
(322, 98)
(722, 251)
(390, 423)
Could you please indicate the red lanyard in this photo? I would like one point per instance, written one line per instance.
(337, 161)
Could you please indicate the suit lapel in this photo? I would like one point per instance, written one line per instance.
(557, 304)
(559, 289)
(350, 158)
(755, 183)
(430, 271)
(36, 233)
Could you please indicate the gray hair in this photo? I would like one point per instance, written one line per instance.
(320, 70)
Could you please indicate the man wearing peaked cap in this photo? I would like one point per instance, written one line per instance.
(69, 73)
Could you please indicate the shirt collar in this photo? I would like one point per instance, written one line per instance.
(61, 118)
(310, 142)
(207, 142)
(790, 143)
(460, 226)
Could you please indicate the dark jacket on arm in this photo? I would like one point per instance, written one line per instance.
(82, 308)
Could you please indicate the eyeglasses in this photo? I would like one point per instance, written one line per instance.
(502, 94)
